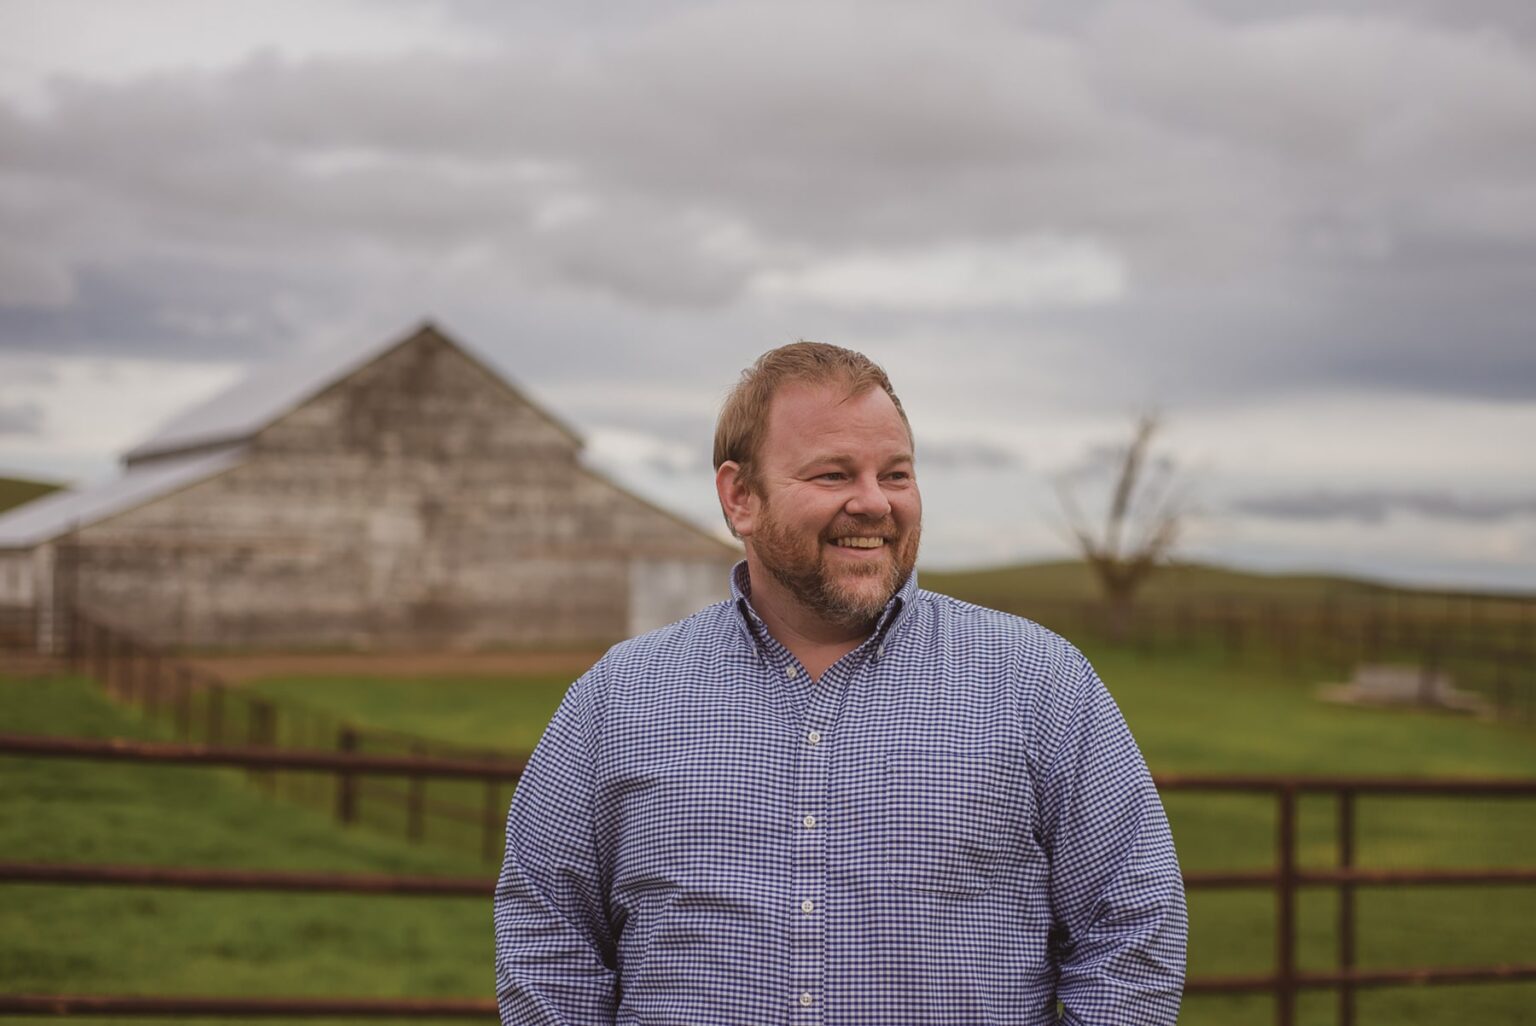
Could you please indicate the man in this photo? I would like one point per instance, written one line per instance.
(836, 799)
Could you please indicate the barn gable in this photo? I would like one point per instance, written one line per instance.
(273, 394)
(417, 500)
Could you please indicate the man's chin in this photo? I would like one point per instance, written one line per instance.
(865, 594)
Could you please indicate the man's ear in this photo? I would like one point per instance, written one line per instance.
(737, 500)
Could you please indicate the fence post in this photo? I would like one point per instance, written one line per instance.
(151, 699)
(125, 670)
(346, 783)
(1285, 931)
(1346, 905)
(215, 730)
(75, 644)
(99, 656)
(183, 702)
(415, 802)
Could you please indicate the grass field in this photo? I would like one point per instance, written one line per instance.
(1191, 712)
(1051, 590)
(1071, 581)
(137, 941)
(1194, 713)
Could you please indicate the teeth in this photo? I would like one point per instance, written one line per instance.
(860, 543)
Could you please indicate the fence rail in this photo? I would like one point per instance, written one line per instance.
(203, 709)
(1487, 642)
(127, 750)
(1285, 879)
(244, 1007)
(1490, 641)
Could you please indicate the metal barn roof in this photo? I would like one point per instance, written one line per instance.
(209, 437)
(59, 513)
(264, 395)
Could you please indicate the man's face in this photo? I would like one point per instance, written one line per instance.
(836, 510)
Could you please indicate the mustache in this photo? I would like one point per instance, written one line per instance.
(882, 528)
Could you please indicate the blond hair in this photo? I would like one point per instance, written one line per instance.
(744, 415)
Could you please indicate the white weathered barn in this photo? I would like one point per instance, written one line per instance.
(407, 497)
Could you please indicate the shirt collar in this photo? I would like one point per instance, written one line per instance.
(895, 613)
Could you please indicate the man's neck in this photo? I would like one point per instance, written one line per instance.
(812, 639)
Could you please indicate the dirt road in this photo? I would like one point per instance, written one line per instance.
(238, 669)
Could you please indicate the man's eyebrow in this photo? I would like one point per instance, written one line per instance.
(842, 459)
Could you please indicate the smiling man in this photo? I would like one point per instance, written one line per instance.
(836, 799)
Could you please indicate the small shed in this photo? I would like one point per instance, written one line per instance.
(404, 497)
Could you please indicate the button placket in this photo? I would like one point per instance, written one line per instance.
(808, 905)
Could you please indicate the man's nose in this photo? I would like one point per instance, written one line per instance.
(868, 498)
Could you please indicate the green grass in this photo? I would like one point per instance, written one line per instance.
(14, 491)
(483, 712)
(1192, 712)
(1019, 586)
(1195, 714)
(1070, 580)
(145, 941)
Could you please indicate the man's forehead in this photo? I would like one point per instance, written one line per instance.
(801, 412)
(831, 400)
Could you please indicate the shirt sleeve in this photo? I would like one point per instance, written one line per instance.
(554, 947)
(1117, 896)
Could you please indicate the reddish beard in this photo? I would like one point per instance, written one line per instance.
(797, 562)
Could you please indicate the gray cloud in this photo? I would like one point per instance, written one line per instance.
(1372, 507)
(20, 419)
(973, 454)
(1331, 195)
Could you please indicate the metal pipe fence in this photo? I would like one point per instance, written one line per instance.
(1286, 878)
(199, 707)
(1489, 641)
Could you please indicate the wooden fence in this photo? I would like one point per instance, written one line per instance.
(1285, 878)
(1486, 643)
(198, 706)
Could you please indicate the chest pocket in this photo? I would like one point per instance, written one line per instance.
(946, 819)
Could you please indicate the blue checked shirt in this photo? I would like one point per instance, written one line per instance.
(952, 826)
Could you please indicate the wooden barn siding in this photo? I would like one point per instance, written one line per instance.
(418, 503)
(15, 577)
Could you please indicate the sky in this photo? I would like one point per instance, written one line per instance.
(1303, 233)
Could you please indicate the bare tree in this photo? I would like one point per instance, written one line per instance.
(1146, 509)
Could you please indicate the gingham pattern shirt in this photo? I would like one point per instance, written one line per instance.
(952, 826)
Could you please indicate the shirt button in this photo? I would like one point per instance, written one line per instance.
(807, 907)
(810, 822)
(790, 671)
(806, 999)
(814, 737)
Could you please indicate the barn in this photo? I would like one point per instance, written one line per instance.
(407, 496)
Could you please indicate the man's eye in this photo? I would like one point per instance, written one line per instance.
(832, 475)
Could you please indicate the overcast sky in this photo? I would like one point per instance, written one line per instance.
(1304, 231)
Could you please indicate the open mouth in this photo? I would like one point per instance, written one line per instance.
(858, 542)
